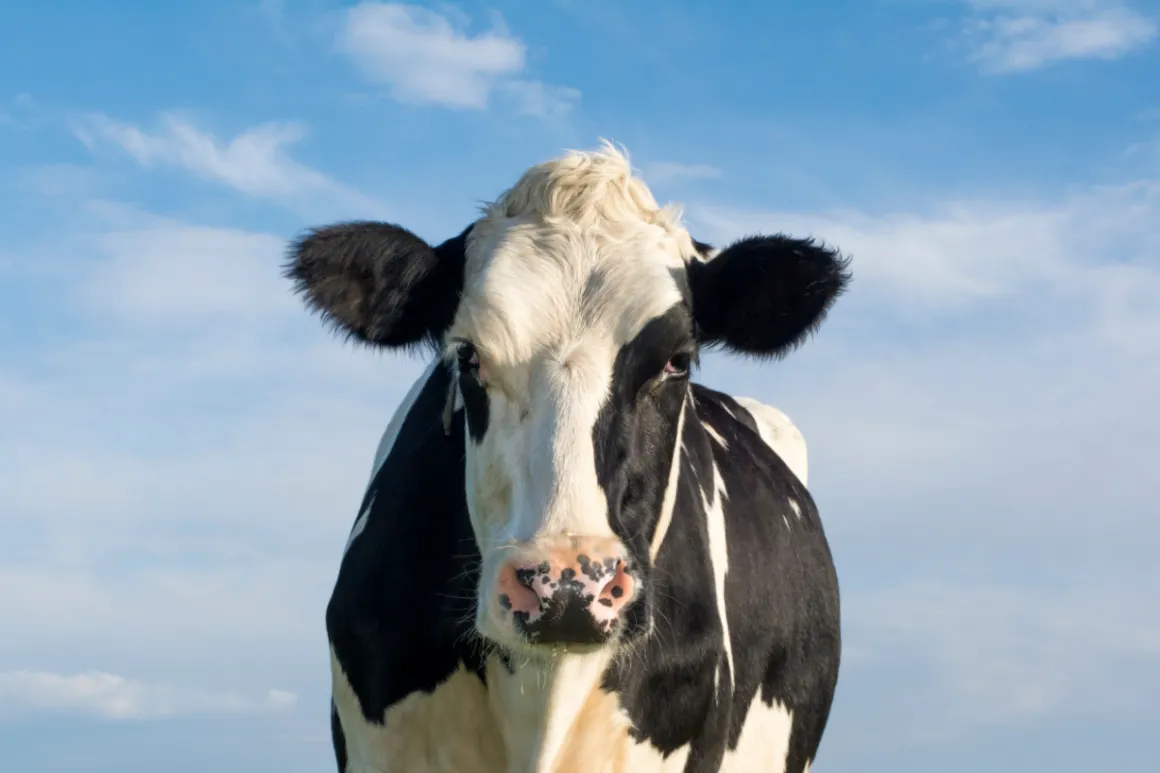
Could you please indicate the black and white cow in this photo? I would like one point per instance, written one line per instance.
(569, 555)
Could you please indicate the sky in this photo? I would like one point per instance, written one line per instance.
(183, 448)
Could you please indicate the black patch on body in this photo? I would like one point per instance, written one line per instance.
(401, 613)
(781, 590)
(338, 739)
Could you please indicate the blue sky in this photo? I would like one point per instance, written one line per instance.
(184, 447)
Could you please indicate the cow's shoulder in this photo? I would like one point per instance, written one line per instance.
(746, 421)
(779, 433)
(399, 616)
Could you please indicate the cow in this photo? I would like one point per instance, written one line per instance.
(570, 556)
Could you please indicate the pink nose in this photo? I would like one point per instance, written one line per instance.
(568, 593)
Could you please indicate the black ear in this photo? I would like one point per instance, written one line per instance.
(764, 295)
(377, 282)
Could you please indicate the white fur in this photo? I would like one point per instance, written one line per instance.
(714, 502)
(670, 498)
(780, 434)
(555, 718)
(764, 742)
(451, 730)
(563, 270)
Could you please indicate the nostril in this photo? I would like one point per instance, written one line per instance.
(618, 590)
(528, 575)
(515, 591)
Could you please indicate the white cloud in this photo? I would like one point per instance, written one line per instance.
(1003, 655)
(255, 162)
(170, 272)
(1010, 36)
(987, 382)
(428, 58)
(113, 697)
(960, 255)
(669, 171)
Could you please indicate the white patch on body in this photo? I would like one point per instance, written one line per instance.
(719, 557)
(670, 498)
(764, 742)
(780, 434)
(555, 718)
(715, 435)
(450, 730)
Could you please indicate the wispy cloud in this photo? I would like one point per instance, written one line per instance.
(113, 697)
(256, 162)
(670, 171)
(981, 341)
(429, 58)
(1002, 655)
(1008, 36)
(960, 254)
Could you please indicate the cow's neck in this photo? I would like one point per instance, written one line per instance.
(555, 717)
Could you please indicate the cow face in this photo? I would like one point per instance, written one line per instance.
(571, 314)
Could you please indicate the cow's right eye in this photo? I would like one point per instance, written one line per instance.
(468, 359)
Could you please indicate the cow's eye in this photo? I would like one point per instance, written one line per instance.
(678, 365)
(468, 359)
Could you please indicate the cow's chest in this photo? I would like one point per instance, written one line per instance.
(518, 723)
(450, 730)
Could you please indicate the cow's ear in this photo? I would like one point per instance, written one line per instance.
(764, 295)
(377, 282)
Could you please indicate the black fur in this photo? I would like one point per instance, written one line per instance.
(634, 439)
(401, 613)
(764, 295)
(337, 738)
(379, 283)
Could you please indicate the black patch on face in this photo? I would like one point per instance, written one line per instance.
(475, 405)
(634, 440)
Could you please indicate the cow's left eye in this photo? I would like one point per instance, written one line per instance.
(678, 365)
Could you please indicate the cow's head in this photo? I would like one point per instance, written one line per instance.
(570, 314)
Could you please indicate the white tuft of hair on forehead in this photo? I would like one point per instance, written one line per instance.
(585, 188)
(577, 254)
